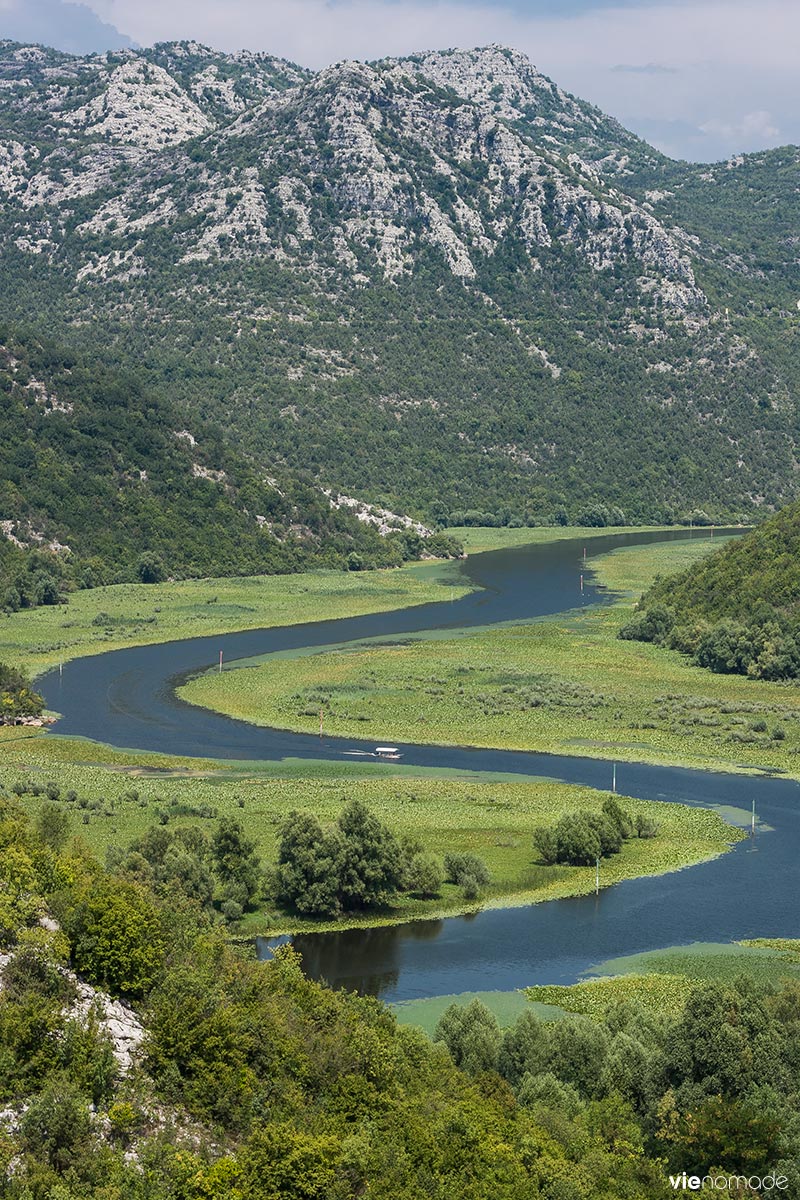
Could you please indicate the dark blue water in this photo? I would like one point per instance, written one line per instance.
(126, 698)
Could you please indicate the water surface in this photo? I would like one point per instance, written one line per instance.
(126, 698)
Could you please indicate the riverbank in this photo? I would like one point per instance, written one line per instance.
(567, 685)
(662, 980)
(121, 794)
(659, 980)
(111, 618)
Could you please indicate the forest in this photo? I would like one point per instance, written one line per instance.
(738, 611)
(100, 483)
(255, 1083)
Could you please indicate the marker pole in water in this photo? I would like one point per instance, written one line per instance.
(581, 583)
(614, 779)
(584, 554)
(220, 660)
(597, 876)
(753, 820)
(60, 670)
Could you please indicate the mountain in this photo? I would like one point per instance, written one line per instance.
(102, 483)
(440, 281)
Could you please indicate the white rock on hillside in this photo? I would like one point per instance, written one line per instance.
(142, 105)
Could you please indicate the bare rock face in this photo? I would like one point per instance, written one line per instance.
(116, 1019)
(141, 105)
(359, 166)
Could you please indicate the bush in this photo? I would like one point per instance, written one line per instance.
(653, 626)
(424, 875)
(579, 839)
(150, 568)
(56, 1125)
(459, 867)
(232, 911)
(470, 888)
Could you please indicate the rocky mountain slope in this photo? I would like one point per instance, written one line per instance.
(438, 281)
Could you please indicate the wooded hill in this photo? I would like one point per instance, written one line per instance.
(186, 1070)
(439, 282)
(738, 610)
(100, 482)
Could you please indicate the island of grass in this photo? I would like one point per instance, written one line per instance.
(564, 685)
(112, 797)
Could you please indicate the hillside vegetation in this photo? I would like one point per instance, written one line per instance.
(145, 1059)
(440, 282)
(738, 610)
(100, 482)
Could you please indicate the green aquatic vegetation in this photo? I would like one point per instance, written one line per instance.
(107, 618)
(563, 685)
(112, 797)
(662, 980)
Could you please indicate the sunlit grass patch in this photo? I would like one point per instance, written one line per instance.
(564, 685)
(121, 793)
(663, 979)
(108, 618)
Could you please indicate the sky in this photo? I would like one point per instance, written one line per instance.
(699, 79)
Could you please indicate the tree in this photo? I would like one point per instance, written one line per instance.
(545, 840)
(578, 840)
(235, 857)
(57, 1124)
(525, 1048)
(370, 861)
(115, 935)
(52, 825)
(150, 568)
(307, 876)
(472, 1036)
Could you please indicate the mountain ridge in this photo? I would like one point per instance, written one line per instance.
(482, 277)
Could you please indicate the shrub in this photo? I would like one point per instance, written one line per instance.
(458, 867)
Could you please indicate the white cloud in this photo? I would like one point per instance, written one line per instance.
(731, 59)
(753, 125)
(69, 26)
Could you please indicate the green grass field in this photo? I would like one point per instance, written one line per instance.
(484, 537)
(136, 614)
(108, 618)
(663, 979)
(121, 794)
(565, 685)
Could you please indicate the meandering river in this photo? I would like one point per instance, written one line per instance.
(127, 698)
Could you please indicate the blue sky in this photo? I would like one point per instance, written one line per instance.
(701, 79)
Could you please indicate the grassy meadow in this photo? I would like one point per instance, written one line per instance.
(663, 979)
(120, 794)
(135, 614)
(566, 685)
(476, 539)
